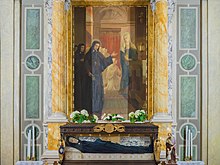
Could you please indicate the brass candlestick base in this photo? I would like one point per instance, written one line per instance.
(33, 158)
(188, 158)
(28, 158)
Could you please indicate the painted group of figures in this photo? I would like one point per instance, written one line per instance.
(88, 67)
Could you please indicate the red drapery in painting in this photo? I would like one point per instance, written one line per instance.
(111, 41)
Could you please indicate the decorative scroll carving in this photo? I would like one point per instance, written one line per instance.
(109, 128)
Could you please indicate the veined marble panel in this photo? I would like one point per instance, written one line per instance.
(188, 27)
(191, 127)
(33, 28)
(188, 96)
(32, 62)
(171, 10)
(188, 62)
(49, 9)
(32, 97)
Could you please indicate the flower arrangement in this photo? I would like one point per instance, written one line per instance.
(112, 117)
(82, 117)
(138, 115)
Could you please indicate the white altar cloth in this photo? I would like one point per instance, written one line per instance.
(190, 163)
(29, 163)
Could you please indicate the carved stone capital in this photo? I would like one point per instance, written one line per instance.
(153, 3)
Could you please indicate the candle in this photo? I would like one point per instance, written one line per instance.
(29, 144)
(186, 149)
(188, 152)
(191, 153)
(33, 151)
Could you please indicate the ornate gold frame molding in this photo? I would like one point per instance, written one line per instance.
(110, 2)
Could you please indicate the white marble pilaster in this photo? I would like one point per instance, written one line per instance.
(7, 82)
(17, 75)
(213, 70)
(204, 80)
(49, 10)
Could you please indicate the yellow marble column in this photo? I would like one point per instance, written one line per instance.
(150, 62)
(160, 72)
(160, 89)
(70, 71)
(59, 62)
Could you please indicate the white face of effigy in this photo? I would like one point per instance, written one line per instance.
(73, 140)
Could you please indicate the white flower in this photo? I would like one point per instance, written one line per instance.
(86, 121)
(107, 118)
(137, 113)
(103, 116)
(84, 112)
(131, 114)
(95, 117)
(76, 112)
(71, 115)
(143, 111)
(119, 116)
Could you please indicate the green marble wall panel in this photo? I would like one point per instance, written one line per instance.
(188, 62)
(33, 28)
(182, 153)
(36, 130)
(32, 62)
(191, 127)
(188, 97)
(188, 28)
(32, 97)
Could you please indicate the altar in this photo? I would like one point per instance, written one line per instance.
(148, 75)
(123, 133)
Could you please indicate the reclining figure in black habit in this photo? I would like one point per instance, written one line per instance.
(100, 146)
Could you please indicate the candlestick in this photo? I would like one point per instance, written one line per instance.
(186, 149)
(33, 140)
(29, 145)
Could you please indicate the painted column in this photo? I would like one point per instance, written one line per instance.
(160, 89)
(89, 25)
(59, 89)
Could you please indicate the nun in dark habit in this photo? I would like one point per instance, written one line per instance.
(95, 64)
(79, 69)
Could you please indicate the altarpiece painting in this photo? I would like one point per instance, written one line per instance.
(113, 80)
